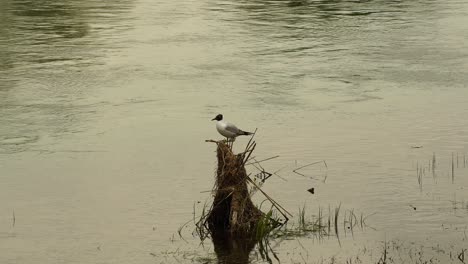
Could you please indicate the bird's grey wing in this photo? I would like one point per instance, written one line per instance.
(232, 128)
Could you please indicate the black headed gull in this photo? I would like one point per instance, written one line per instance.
(227, 129)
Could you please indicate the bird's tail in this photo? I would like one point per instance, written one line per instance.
(245, 133)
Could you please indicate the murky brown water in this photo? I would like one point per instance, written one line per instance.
(105, 106)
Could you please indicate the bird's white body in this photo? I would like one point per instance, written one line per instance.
(227, 129)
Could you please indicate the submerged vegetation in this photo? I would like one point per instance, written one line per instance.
(455, 162)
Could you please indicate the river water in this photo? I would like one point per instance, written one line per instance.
(105, 107)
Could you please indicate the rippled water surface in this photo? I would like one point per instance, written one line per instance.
(105, 106)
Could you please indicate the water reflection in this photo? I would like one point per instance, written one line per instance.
(331, 18)
(6, 60)
(344, 44)
(55, 19)
(46, 30)
(232, 250)
(47, 49)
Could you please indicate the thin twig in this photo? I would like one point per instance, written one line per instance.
(310, 164)
(277, 205)
(251, 138)
(250, 153)
(259, 165)
(274, 157)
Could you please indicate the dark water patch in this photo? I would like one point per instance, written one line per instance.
(362, 98)
(10, 144)
(20, 140)
(136, 101)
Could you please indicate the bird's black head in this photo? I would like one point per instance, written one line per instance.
(218, 118)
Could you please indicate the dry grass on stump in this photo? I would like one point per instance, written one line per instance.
(232, 210)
